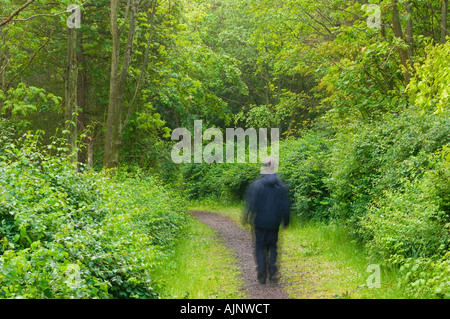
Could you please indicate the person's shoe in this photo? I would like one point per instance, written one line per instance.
(274, 279)
(262, 279)
(273, 276)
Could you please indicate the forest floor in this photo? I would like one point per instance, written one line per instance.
(315, 260)
(240, 242)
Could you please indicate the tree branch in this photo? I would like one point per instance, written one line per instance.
(16, 12)
(316, 20)
(28, 64)
(17, 46)
(144, 64)
(49, 14)
(125, 18)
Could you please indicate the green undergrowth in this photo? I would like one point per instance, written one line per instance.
(200, 267)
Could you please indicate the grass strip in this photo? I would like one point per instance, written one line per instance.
(200, 267)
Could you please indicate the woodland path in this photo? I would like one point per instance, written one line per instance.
(240, 242)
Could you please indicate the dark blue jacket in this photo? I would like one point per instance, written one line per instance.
(267, 203)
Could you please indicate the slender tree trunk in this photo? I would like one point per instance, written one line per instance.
(3, 86)
(398, 32)
(444, 13)
(82, 87)
(113, 138)
(111, 121)
(409, 33)
(90, 151)
(71, 109)
(383, 30)
(144, 64)
(3, 65)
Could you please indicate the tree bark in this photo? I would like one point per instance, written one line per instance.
(3, 66)
(82, 87)
(113, 138)
(444, 14)
(398, 33)
(90, 151)
(144, 64)
(409, 33)
(71, 107)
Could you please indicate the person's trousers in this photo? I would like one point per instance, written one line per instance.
(266, 251)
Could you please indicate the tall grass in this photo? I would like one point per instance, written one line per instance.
(321, 260)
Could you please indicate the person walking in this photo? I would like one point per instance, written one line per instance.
(267, 207)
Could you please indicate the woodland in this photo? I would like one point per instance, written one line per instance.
(91, 91)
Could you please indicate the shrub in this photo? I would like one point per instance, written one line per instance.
(196, 183)
(372, 158)
(235, 179)
(65, 234)
(413, 221)
(426, 277)
(303, 169)
(218, 180)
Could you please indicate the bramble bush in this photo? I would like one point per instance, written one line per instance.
(426, 277)
(68, 234)
(303, 170)
(218, 180)
(370, 159)
(413, 221)
(227, 181)
(410, 228)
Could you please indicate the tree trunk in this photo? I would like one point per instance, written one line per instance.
(444, 13)
(82, 87)
(144, 64)
(403, 54)
(111, 121)
(3, 65)
(113, 138)
(409, 33)
(90, 151)
(3, 86)
(71, 109)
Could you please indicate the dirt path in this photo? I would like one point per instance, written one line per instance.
(240, 242)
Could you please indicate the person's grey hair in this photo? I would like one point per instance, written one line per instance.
(269, 165)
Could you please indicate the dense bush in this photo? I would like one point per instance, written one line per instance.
(426, 277)
(79, 235)
(303, 170)
(369, 159)
(218, 180)
(413, 221)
